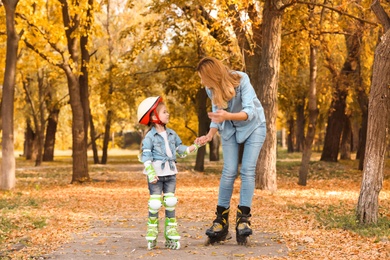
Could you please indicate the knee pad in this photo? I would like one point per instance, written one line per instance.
(154, 203)
(170, 201)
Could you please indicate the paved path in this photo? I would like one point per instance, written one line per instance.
(124, 239)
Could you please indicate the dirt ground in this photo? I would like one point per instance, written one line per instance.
(124, 239)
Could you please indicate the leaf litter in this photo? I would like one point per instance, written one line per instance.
(66, 209)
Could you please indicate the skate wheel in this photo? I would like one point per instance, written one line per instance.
(151, 244)
(245, 241)
(172, 244)
(248, 241)
(213, 240)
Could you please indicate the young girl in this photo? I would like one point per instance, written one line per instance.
(159, 148)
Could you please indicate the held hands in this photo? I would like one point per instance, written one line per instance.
(202, 140)
(152, 177)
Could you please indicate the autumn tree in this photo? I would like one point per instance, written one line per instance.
(69, 61)
(7, 180)
(35, 113)
(378, 124)
(345, 79)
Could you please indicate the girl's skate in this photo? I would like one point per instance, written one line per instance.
(243, 225)
(219, 231)
(152, 232)
(172, 236)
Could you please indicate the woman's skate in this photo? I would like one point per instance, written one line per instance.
(219, 231)
(243, 228)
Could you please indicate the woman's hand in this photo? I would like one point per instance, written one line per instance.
(219, 116)
(202, 140)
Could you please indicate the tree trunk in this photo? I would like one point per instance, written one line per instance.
(267, 92)
(214, 148)
(40, 121)
(93, 140)
(335, 125)
(354, 41)
(349, 77)
(203, 127)
(290, 135)
(79, 146)
(84, 77)
(50, 139)
(79, 142)
(29, 137)
(106, 137)
(107, 129)
(313, 114)
(300, 133)
(34, 145)
(7, 178)
(346, 140)
(378, 125)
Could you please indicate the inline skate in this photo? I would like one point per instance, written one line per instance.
(152, 232)
(219, 231)
(243, 225)
(172, 236)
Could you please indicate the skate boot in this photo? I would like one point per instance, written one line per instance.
(219, 231)
(172, 236)
(152, 232)
(243, 225)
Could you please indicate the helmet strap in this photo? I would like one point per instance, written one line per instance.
(157, 120)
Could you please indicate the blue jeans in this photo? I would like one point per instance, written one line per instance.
(230, 147)
(165, 184)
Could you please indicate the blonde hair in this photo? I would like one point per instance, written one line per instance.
(219, 79)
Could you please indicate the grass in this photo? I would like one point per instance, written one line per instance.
(338, 217)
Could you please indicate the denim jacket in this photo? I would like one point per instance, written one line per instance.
(153, 147)
(245, 100)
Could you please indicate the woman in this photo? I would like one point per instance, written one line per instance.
(238, 116)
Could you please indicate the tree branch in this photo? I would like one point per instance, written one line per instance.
(164, 69)
(339, 12)
(42, 55)
(42, 33)
(381, 14)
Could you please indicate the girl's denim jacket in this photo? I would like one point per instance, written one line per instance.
(153, 147)
(245, 100)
